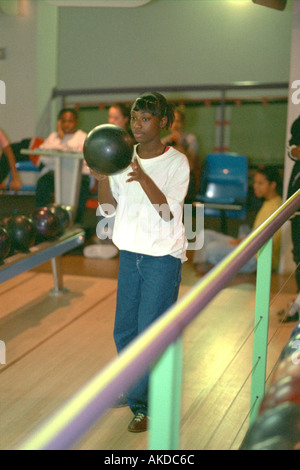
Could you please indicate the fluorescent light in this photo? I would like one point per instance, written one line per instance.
(98, 3)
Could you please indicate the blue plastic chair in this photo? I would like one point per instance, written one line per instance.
(27, 167)
(224, 182)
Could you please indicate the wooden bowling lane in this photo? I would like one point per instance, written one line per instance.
(55, 345)
(31, 316)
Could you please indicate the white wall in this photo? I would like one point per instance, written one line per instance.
(47, 66)
(18, 70)
(30, 69)
(170, 42)
(166, 42)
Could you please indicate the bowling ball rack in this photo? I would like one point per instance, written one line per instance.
(41, 253)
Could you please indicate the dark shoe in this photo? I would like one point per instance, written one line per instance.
(290, 319)
(121, 401)
(291, 314)
(139, 423)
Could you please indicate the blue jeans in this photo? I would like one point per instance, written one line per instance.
(147, 287)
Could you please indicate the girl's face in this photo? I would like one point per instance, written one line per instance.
(146, 127)
(68, 123)
(116, 117)
(262, 186)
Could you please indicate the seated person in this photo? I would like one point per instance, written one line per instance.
(186, 143)
(5, 147)
(66, 138)
(267, 186)
(119, 115)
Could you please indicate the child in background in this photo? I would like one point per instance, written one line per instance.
(187, 143)
(267, 186)
(119, 115)
(148, 205)
(66, 138)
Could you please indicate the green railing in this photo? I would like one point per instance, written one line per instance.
(160, 348)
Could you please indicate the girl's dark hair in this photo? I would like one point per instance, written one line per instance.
(156, 104)
(67, 110)
(272, 175)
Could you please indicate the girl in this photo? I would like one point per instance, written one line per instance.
(148, 204)
(267, 184)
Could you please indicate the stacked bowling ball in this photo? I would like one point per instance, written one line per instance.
(50, 221)
(63, 215)
(278, 424)
(5, 244)
(21, 232)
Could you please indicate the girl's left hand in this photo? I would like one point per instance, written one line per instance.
(137, 174)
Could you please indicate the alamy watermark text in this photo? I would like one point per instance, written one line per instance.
(2, 353)
(2, 92)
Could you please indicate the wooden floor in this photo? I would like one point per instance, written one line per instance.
(55, 345)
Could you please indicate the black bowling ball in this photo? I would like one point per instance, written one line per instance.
(108, 149)
(62, 213)
(46, 223)
(291, 347)
(5, 244)
(281, 423)
(21, 231)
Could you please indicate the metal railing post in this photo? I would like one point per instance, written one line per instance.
(261, 327)
(165, 399)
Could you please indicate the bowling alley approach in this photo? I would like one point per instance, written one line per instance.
(150, 227)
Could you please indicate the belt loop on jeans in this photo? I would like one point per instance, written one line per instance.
(139, 258)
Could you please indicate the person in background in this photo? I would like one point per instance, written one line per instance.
(186, 143)
(67, 138)
(293, 312)
(15, 184)
(267, 186)
(118, 115)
